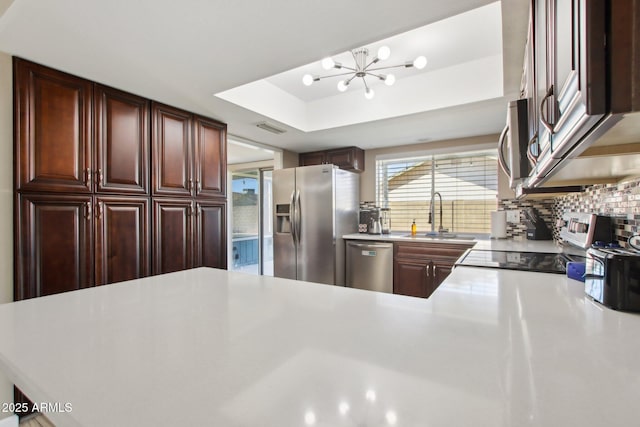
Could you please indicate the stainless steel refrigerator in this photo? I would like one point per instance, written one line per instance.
(314, 207)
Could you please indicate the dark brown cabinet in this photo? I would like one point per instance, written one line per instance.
(121, 142)
(210, 238)
(171, 139)
(188, 234)
(419, 268)
(52, 113)
(350, 158)
(122, 235)
(173, 235)
(88, 158)
(189, 154)
(54, 244)
(210, 158)
(412, 277)
(72, 242)
(570, 79)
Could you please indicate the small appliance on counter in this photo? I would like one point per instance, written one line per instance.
(385, 220)
(369, 218)
(537, 229)
(612, 277)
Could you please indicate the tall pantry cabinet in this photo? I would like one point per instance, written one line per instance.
(96, 186)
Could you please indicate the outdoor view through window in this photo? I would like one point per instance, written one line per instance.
(467, 182)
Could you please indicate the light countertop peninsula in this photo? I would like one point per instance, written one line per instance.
(493, 348)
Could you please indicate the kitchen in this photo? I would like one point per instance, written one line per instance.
(618, 199)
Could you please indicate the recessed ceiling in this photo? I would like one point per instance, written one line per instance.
(464, 67)
(181, 53)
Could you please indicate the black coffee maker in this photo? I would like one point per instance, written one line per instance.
(537, 229)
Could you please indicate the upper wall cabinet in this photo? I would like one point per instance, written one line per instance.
(189, 155)
(122, 142)
(570, 38)
(53, 130)
(350, 158)
(171, 136)
(64, 147)
(580, 77)
(210, 157)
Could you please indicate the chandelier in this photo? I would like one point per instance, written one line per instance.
(363, 69)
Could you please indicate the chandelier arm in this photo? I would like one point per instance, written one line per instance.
(379, 76)
(335, 75)
(386, 68)
(366, 86)
(350, 79)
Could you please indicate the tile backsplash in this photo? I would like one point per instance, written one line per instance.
(620, 201)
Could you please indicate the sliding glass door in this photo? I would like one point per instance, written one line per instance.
(251, 237)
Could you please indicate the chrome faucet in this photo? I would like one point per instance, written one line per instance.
(432, 214)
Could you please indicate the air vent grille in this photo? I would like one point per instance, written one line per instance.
(270, 128)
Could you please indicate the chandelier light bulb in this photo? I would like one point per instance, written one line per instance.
(307, 79)
(420, 62)
(342, 86)
(384, 52)
(369, 93)
(328, 63)
(390, 79)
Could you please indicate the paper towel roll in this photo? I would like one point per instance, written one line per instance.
(498, 224)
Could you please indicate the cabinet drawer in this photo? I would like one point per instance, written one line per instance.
(430, 250)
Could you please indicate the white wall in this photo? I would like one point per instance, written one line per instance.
(6, 200)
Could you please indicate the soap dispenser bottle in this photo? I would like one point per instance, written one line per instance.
(414, 228)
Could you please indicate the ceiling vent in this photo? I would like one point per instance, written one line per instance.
(270, 128)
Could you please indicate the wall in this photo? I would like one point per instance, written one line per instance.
(368, 177)
(6, 199)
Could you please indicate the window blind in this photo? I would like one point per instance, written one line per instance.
(467, 182)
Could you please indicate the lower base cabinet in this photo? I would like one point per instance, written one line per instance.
(188, 233)
(419, 268)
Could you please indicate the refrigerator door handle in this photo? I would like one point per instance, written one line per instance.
(292, 215)
(298, 214)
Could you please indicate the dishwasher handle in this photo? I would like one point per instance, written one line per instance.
(365, 245)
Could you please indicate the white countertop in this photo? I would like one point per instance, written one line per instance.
(209, 347)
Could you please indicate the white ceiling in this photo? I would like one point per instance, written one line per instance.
(181, 53)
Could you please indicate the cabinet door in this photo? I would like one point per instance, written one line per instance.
(122, 142)
(122, 239)
(310, 159)
(53, 129)
(441, 270)
(171, 145)
(571, 75)
(210, 158)
(173, 235)
(351, 158)
(578, 70)
(211, 242)
(412, 277)
(54, 251)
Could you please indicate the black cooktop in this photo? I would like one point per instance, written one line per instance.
(516, 260)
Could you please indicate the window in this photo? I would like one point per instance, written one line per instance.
(467, 182)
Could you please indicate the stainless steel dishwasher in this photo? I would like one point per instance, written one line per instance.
(370, 266)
